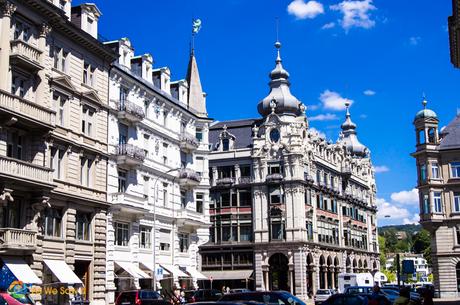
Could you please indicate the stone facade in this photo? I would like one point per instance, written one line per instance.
(438, 170)
(158, 182)
(53, 141)
(289, 210)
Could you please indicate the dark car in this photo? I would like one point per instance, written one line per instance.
(346, 299)
(140, 297)
(266, 297)
(202, 295)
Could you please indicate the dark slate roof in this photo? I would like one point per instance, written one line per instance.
(451, 135)
(241, 129)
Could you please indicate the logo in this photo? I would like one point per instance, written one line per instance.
(17, 290)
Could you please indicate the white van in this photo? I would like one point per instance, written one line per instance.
(354, 279)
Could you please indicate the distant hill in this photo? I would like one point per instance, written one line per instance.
(409, 229)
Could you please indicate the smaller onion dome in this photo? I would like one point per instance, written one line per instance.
(348, 136)
(425, 112)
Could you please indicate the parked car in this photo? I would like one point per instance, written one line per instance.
(346, 299)
(391, 294)
(358, 290)
(386, 300)
(239, 290)
(140, 297)
(202, 295)
(322, 295)
(266, 297)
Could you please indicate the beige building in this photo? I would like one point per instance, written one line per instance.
(53, 146)
(438, 167)
(289, 209)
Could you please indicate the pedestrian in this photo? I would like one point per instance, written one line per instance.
(227, 289)
(377, 298)
(404, 297)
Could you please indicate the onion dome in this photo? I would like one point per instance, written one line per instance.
(280, 100)
(349, 138)
(425, 112)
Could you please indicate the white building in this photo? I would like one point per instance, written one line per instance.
(157, 174)
(420, 264)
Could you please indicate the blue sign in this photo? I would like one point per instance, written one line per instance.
(159, 273)
(408, 266)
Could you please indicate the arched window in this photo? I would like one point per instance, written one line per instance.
(421, 137)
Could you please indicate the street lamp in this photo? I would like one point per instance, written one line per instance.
(154, 225)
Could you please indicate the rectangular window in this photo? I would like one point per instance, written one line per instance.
(87, 119)
(275, 168)
(86, 177)
(199, 201)
(53, 221)
(83, 226)
(456, 202)
(309, 230)
(146, 186)
(165, 153)
(435, 170)
(245, 233)
(455, 169)
(245, 198)
(146, 144)
(88, 74)
(123, 97)
(165, 194)
(122, 183)
(145, 234)
(183, 199)
(199, 135)
(14, 145)
(457, 235)
(59, 106)
(121, 234)
(18, 86)
(277, 230)
(60, 59)
(437, 202)
(423, 172)
(275, 195)
(57, 156)
(183, 242)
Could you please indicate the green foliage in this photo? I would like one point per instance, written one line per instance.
(390, 275)
(382, 252)
(421, 241)
(430, 277)
(427, 255)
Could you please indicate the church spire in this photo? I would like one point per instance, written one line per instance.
(196, 96)
(349, 138)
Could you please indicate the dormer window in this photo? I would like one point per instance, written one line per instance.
(225, 144)
(90, 23)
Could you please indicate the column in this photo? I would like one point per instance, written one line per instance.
(237, 173)
(41, 98)
(332, 278)
(267, 280)
(6, 10)
(326, 284)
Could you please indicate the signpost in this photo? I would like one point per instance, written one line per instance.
(159, 273)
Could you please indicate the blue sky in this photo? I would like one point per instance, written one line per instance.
(393, 49)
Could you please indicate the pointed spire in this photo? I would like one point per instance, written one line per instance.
(348, 126)
(279, 73)
(348, 136)
(196, 96)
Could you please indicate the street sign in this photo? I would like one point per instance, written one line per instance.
(408, 266)
(159, 273)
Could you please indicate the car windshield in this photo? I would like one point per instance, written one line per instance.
(323, 291)
(148, 295)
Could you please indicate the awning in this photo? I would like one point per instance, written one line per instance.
(176, 272)
(63, 272)
(133, 270)
(228, 275)
(21, 270)
(195, 273)
(148, 266)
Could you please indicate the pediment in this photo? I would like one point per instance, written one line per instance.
(64, 82)
(92, 96)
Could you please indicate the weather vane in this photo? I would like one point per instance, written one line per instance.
(196, 26)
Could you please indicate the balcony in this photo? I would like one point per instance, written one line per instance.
(274, 178)
(129, 203)
(17, 240)
(244, 180)
(29, 173)
(26, 113)
(130, 112)
(186, 217)
(130, 155)
(24, 55)
(189, 178)
(188, 142)
(227, 181)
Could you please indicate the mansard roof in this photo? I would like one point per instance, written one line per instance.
(451, 135)
(240, 129)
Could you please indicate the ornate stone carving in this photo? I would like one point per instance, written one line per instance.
(6, 196)
(7, 9)
(45, 30)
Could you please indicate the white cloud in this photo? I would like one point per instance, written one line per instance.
(406, 197)
(303, 10)
(333, 101)
(415, 220)
(329, 25)
(385, 209)
(356, 13)
(313, 107)
(381, 169)
(369, 92)
(415, 40)
(324, 117)
(316, 131)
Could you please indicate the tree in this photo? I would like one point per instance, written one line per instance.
(422, 241)
(391, 276)
(383, 252)
(391, 240)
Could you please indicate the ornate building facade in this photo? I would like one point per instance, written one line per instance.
(438, 170)
(158, 184)
(53, 147)
(289, 210)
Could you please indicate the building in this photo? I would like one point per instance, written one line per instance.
(53, 147)
(438, 170)
(454, 33)
(420, 264)
(289, 210)
(158, 184)
(401, 235)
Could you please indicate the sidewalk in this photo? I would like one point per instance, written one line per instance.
(449, 301)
